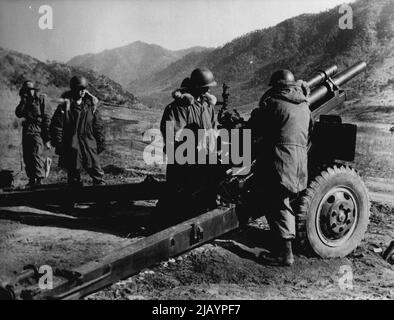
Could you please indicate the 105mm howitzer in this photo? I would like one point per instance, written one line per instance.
(333, 212)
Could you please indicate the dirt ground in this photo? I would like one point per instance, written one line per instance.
(227, 268)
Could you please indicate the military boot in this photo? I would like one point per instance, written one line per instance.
(287, 253)
(281, 255)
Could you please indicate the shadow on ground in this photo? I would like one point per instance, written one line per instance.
(117, 219)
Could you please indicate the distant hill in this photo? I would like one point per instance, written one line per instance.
(303, 44)
(54, 78)
(132, 62)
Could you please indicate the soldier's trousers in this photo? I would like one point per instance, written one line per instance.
(33, 147)
(96, 173)
(280, 214)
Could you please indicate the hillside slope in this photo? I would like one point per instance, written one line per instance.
(132, 62)
(54, 77)
(303, 44)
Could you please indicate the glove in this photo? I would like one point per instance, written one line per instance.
(210, 98)
(94, 99)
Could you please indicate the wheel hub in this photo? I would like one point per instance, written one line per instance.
(337, 216)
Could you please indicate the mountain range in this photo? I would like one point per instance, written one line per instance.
(54, 78)
(133, 62)
(302, 44)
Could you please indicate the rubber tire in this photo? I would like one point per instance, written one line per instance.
(307, 237)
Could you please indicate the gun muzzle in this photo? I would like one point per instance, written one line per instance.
(321, 76)
(341, 78)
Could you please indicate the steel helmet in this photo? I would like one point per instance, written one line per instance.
(78, 82)
(282, 76)
(202, 77)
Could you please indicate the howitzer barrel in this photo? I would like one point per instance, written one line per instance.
(341, 78)
(322, 76)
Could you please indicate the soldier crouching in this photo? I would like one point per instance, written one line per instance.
(77, 133)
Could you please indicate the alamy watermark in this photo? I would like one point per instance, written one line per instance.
(202, 146)
(45, 20)
(45, 282)
(346, 21)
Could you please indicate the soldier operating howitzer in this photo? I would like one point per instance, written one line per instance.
(283, 121)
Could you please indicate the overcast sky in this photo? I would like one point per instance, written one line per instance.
(94, 25)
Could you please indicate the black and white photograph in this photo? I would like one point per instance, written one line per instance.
(196, 155)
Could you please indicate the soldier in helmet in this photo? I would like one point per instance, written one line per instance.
(280, 127)
(35, 132)
(77, 133)
(192, 108)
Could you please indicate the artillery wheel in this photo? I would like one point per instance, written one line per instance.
(334, 213)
